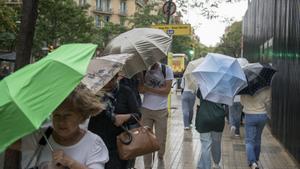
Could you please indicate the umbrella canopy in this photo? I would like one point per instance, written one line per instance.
(188, 72)
(192, 65)
(102, 69)
(148, 46)
(243, 61)
(31, 94)
(219, 78)
(258, 77)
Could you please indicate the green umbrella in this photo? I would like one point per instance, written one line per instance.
(30, 95)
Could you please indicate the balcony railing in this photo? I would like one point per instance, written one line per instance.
(140, 2)
(13, 2)
(104, 10)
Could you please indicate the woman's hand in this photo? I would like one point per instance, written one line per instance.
(121, 118)
(60, 158)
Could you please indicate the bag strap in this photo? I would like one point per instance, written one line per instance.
(42, 142)
(129, 135)
(163, 70)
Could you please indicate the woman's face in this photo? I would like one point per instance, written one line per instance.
(66, 122)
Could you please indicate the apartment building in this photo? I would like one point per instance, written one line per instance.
(114, 11)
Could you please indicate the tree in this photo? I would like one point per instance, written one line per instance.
(62, 21)
(8, 26)
(231, 41)
(147, 16)
(207, 8)
(105, 34)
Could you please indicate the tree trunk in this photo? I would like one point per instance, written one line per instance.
(25, 42)
(13, 158)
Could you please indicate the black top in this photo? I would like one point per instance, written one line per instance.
(123, 102)
(133, 84)
(210, 116)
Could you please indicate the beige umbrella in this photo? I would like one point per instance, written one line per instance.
(188, 72)
(102, 69)
(148, 46)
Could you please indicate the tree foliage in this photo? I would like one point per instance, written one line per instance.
(62, 21)
(231, 41)
(9, 18)
(207, 8)
(147, 16)
(103, 35)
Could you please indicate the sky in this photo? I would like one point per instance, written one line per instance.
(210, 31)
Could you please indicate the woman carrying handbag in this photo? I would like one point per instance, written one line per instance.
(121, 106)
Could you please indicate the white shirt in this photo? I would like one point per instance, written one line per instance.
(89, 151)
(155, 79)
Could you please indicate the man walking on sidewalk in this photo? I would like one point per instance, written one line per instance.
(157, 86)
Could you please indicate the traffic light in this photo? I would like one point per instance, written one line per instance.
(191, 52)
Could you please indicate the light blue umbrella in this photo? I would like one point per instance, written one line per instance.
(219, 78)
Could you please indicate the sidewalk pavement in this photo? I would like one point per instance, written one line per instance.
(183, 147)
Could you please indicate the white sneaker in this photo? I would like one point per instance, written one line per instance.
(232, 131)
(216, 166)
(187, 128)
(254, 166)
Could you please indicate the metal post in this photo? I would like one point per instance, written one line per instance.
(169, 11)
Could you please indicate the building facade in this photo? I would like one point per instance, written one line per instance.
(271, 34)
(114, 11)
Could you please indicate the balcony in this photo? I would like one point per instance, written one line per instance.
(140, 2)
(13, 2)
(103, 10)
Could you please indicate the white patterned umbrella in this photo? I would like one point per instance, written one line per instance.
(220, 78)
(102, 69)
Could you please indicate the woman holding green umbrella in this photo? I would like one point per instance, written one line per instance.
(30, 95)
(73, 147)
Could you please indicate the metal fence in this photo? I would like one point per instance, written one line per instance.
(271, 33)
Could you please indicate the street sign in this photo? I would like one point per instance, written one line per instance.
(175, 29)
(170, 32)
(166, 8)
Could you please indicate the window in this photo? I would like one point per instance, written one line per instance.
(103, 5)
(98, 4)
(123, 7)
(82, 2)
(106, 18)
(97, 21)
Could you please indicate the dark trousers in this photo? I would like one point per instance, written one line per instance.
(115, 162)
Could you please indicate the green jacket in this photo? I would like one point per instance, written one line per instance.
(210, 116)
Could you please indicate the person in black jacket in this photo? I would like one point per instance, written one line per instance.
(121, 106)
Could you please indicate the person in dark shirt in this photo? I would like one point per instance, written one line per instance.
(210, 121)
(133, 83)
(121, 106)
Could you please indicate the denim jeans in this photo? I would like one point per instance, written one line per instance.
(187, 102)
(210, 147)
(235, 112)
(254, 125)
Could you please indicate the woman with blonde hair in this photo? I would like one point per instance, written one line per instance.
(74, 148)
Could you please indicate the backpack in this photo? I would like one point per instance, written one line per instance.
(163, 70)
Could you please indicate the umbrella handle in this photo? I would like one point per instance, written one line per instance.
(47, 141)
(51, 148)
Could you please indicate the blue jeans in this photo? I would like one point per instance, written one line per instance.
(254, 125)
(210, 147)
(235, 112)
(187, 102)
